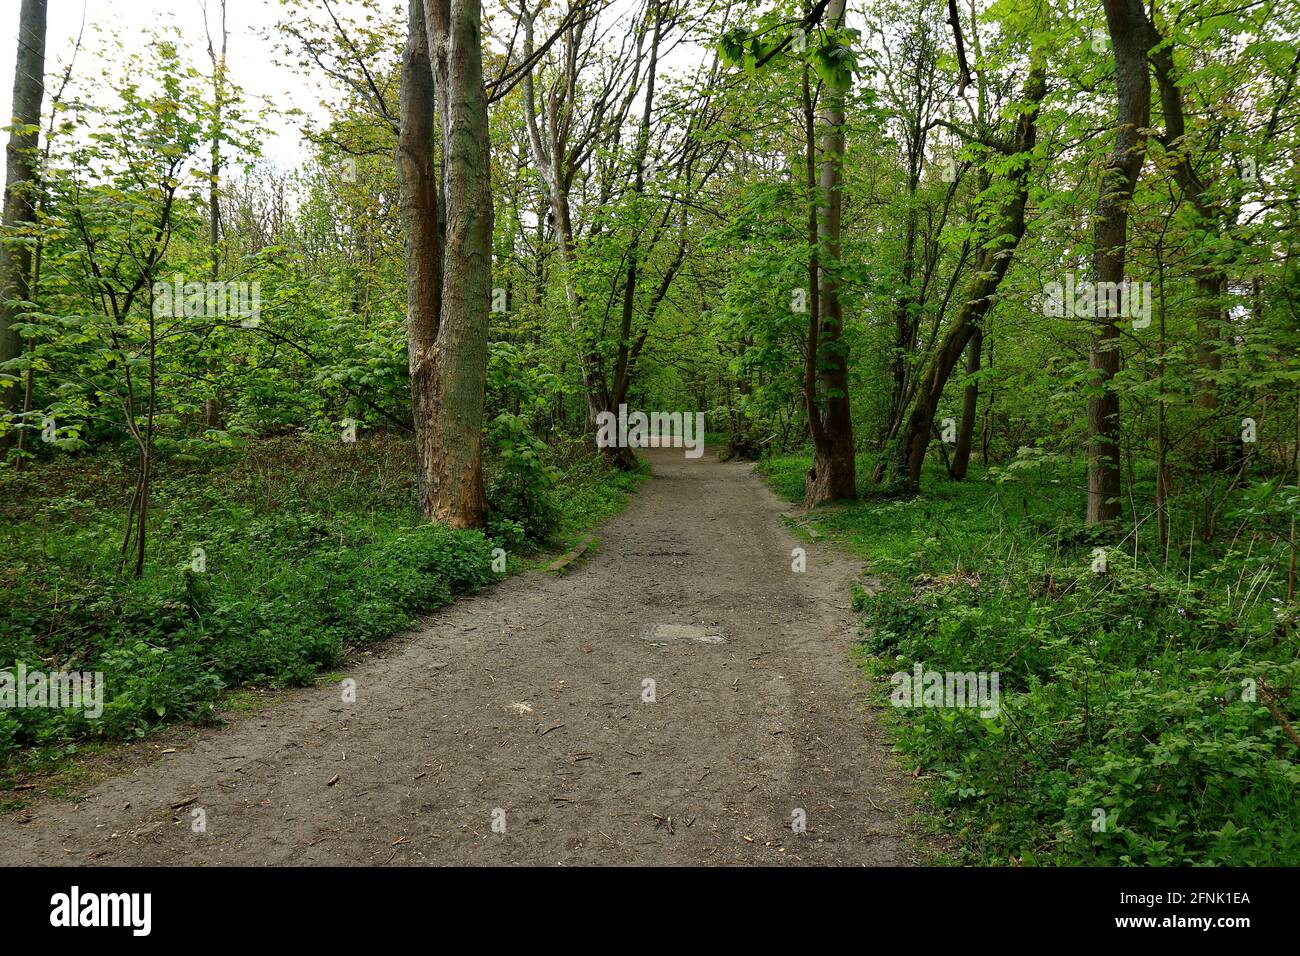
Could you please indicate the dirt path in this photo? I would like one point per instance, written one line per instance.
(528, 698)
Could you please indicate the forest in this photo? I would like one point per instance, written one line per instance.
(1001, 298)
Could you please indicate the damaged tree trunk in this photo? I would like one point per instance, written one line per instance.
(449, 254)
(459, 376)
(423, 242)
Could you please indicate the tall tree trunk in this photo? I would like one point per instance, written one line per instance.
(212, 406)
(1210, 283)
(1207, 267)
(38, 249)
(833, 474)
(20, 188)
(1163, 479)
(986, 432)
(423, 243)
(814, 280)
(991, 266)
(911, 302)
(459, 379)
(1129, 36)
(970, 400)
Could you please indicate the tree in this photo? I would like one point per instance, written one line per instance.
(833, 473)
(217, 56)
(422, 228)
(449, 255)
(1005, 230)
(1129, 33)
(561, 135)
(20, 199)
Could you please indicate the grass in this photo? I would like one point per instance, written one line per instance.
(1134, 723)
(265, 565)
(591, 492)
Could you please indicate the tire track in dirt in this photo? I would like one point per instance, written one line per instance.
(527, 698)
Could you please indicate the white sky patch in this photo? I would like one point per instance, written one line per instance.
(256, 56)
(251, 55)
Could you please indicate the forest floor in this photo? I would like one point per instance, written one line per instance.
(528, 698)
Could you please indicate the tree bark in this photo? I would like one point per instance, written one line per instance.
(1129, 33)
(212, 405)
(423, 243)
(833, 475)
(970, 400)
(459, 357)
(911, 301)
(1211, 217)
(20, 188)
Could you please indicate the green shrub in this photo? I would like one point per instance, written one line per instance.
(1132, 729)
(308, 548)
